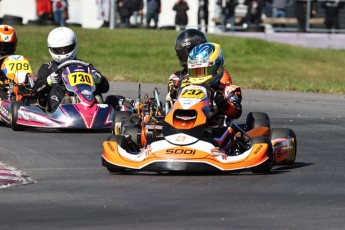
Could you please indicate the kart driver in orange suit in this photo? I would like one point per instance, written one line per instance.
(206, 68)
(228, 96)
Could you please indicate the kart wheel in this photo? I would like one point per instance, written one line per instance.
(14, 115)
(267, 165)
(257, 119)
(113, 100)
(288, 134)
(119, 117)
(132, 131)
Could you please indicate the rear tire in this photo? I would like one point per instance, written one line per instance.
(289, 134)
(257, 119)
(132, 131)
(114, 100)
(14, 115)
(119, 117)
(267, 165)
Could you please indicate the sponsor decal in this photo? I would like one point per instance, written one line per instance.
(145, 151)
(180, 138)
(27, 116)
(110, 146)
(78, 70)
(218, 152)
(103, 105)
(55, 98)
(4, 111)
(154, 126)
(258, 149)
(181, 151)
(186, 44)
(86, 92)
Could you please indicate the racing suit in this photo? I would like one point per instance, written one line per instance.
(232, 94)
(51, 96)
(228, 99)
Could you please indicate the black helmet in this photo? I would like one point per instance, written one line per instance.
(186, 41)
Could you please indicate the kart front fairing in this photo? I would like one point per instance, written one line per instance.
(73, 116)
(79, 81)
(201, 156)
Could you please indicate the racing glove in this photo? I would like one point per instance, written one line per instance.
(97, 77)
(220, 100)
(236, 100)
(53, 78)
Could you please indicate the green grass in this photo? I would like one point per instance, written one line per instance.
(149, 56)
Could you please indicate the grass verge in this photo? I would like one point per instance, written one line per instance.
(148, 56)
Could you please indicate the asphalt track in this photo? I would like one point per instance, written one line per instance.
(69, 188)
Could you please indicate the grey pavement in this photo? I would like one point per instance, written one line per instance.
(311, 40)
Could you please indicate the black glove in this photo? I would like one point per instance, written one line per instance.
(220, 100)
(236, 100)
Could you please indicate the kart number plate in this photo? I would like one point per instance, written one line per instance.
(13, 66)
(193, 93)
(77, 78)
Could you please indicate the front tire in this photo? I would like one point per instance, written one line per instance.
(119, 118)
(257, 119)
(14, 115)
(114, 100)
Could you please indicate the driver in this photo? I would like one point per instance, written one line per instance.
(206, 68)
(8, 44)
(62, 46)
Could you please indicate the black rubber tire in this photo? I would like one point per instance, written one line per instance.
(14, 116)
(115, 138)
(120, 116)
(132, 131)
(257, 119)
(286, 133)
(267, 165)
(113, 100)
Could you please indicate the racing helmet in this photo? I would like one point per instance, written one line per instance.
(62, 44)
(186, 41)
(206, 64)
(8, 40)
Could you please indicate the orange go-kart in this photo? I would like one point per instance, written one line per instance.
(193, 137)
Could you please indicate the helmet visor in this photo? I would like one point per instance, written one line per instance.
(7, 48)
(62, 50)
(202, 71)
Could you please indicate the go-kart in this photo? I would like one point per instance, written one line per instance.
(196, 138)
(18, 87)
(79, 109)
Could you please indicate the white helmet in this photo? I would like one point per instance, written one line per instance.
(62, 44)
